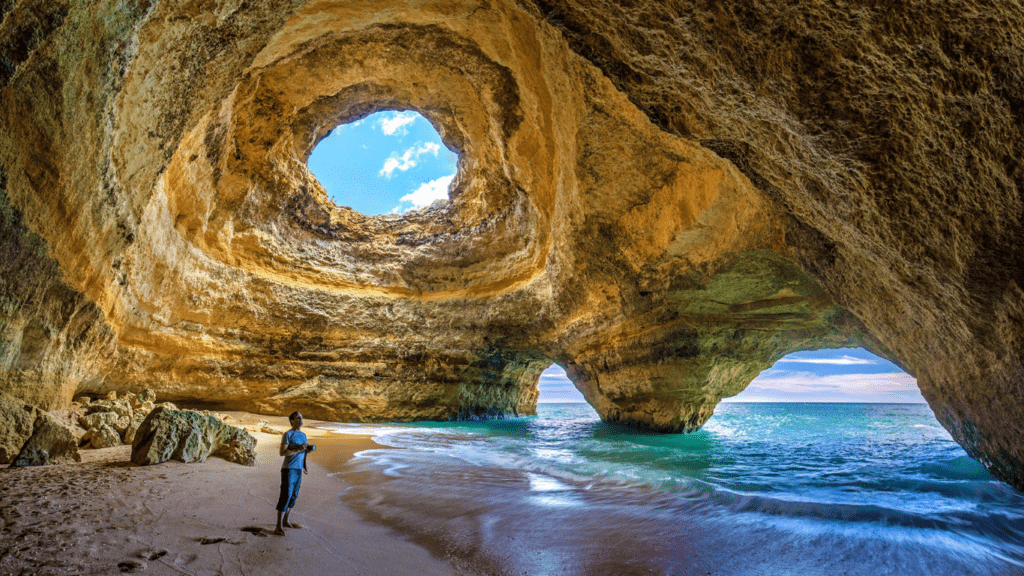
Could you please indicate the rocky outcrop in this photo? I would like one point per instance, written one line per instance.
(662, 197)
(69, 418)
(115, 421)
(16, 424)
(50, 443)
(101, 436)
(190, 436)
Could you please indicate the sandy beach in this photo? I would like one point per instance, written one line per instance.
(108, 516)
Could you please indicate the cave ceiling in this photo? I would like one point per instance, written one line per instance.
(662, 197)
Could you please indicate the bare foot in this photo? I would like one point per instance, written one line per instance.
(278, 532)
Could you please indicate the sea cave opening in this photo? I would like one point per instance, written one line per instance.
(389, 162)
(555, 387)
(836, 375)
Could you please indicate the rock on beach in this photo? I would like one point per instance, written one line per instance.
(190, 436)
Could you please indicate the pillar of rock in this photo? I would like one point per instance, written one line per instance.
(663, 197)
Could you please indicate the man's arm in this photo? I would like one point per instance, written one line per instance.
(284, 451)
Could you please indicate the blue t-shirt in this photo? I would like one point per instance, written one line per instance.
(291, 439)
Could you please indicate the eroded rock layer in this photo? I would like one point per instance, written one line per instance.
(663, 197)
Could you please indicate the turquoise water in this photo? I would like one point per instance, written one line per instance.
(761, 489)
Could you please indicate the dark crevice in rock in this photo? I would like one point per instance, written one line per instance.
(26, 31)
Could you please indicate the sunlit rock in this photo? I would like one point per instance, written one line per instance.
(16, 424)
(50, 443)
(189, 436)
(102, 436)
(664, 198)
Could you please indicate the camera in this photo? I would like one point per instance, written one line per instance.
(311, 448)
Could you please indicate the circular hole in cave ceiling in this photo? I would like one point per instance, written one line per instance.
(389, 162)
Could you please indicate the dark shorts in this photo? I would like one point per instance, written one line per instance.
(291, 479)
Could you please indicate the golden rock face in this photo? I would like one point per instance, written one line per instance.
(664, 198)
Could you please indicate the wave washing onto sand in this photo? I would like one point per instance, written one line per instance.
(779, 489)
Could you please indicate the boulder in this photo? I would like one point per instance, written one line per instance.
(121, 407)
(146, 397)
(137, 419)
(102, 436)
(50, 443)
(16, 423)
(262, 426)
(189, 436)
(70, 418)
(112, 419)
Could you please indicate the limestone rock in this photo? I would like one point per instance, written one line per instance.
(102, 436)
(262, 426)
(133, 427)
(50, 443)
(189, 436)
(662, 197)
(142, 408)
(16, 424)
(121, 407)
(146, 396)
(111, 419)
(70, 418)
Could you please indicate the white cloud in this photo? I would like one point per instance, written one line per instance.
(428, 192)
(403, 163)
(408, 158)
(844, 361)
(391, 125)
(807, 387)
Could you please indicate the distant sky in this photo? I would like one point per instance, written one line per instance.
(386, 163)
(835, 375)
(555, 386)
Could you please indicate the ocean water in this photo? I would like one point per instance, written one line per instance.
(762, 489)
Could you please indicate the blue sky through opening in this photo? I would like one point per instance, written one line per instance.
(387, 163)
(834, 375)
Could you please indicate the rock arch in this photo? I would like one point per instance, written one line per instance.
(664, 197)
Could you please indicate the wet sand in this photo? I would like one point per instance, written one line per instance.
(108, 516)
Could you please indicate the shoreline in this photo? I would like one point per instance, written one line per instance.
(108, 516)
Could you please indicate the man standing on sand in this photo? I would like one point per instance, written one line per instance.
(293, 448)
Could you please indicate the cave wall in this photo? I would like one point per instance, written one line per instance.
(890, 137)
(663, 197)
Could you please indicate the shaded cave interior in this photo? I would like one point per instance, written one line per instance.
(162, 228)
(683, 302)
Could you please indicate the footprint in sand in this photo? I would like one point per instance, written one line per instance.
(152, 554)
(206, 541)
(257, 531)
(131, 566)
